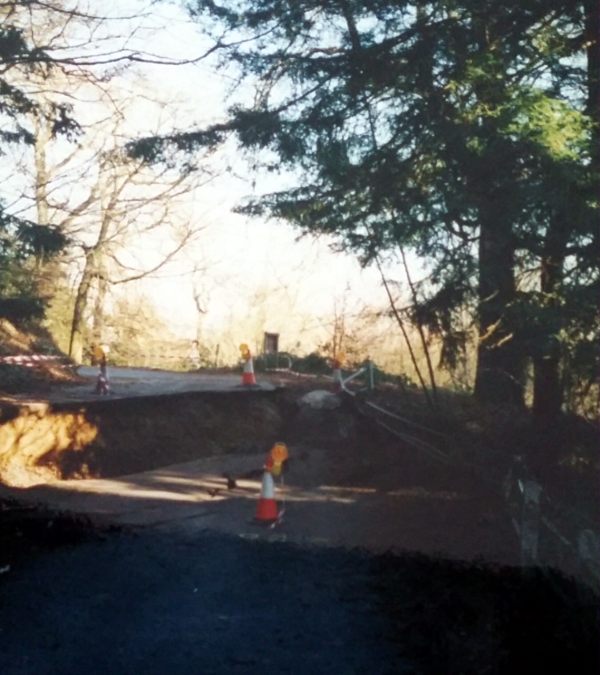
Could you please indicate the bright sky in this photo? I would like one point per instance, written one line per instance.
(241, 255)
(243, 259)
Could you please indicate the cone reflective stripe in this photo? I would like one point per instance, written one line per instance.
(100, 353)
(266, 510)
(248, 371)
(102, 384)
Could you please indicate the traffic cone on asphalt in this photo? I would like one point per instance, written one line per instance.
(248, 378)
(102, 385)
(266, 509)
(100, 356)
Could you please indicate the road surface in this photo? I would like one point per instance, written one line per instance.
(205, 604)
(200, 589)
(327, 497)
(193, 585)
(135, 382)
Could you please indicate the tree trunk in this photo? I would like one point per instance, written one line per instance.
(42, 138)
(500, 366)
(91, 270)
(98, 314)
(424, 345)
(81, 298)
(499, 363)
(592, 40)
(548, 390)
(547, 385)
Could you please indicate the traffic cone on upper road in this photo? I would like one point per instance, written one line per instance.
(248, 378)
(266, 509)
(102, 385)
(102, 382)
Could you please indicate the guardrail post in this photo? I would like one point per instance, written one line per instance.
(588, 552)
(371, 379)
(530, 521)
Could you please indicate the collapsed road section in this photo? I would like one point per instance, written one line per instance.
(42, 441)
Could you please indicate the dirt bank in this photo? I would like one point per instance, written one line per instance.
(40, 441)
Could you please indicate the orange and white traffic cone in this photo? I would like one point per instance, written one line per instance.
(248, 378)
(102, 382)
(102, 385)
(266, 509)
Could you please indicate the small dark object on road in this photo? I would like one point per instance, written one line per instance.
(231, 484)
(253, 474)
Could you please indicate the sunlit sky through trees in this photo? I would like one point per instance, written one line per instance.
(236, 258)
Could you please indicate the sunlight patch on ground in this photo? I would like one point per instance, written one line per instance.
(344, 488)
(421, 493)
(209, 488)
(321, 496)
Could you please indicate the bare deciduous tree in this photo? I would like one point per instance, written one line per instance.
(123, 219)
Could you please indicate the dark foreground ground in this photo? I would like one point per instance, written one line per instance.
(155, 602)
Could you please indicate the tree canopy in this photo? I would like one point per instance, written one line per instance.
(65, 103)
(462, 130)
(24, 243)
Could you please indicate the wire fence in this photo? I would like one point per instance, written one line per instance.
(550, 532)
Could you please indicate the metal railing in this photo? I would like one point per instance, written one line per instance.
(278, 359)
(550, 533)
(368, 371)
(542, 523)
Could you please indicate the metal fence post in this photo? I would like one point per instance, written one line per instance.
(530, 521)
(588, 552)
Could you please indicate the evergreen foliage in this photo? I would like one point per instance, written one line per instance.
(461, 130)
(24, 245)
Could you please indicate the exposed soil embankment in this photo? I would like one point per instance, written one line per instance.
(40, 441)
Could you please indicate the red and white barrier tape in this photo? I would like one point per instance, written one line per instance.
(29, 360)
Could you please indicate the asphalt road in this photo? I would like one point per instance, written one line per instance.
(153, 603)
(131, 382)
(138, 382)
(201, 589)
